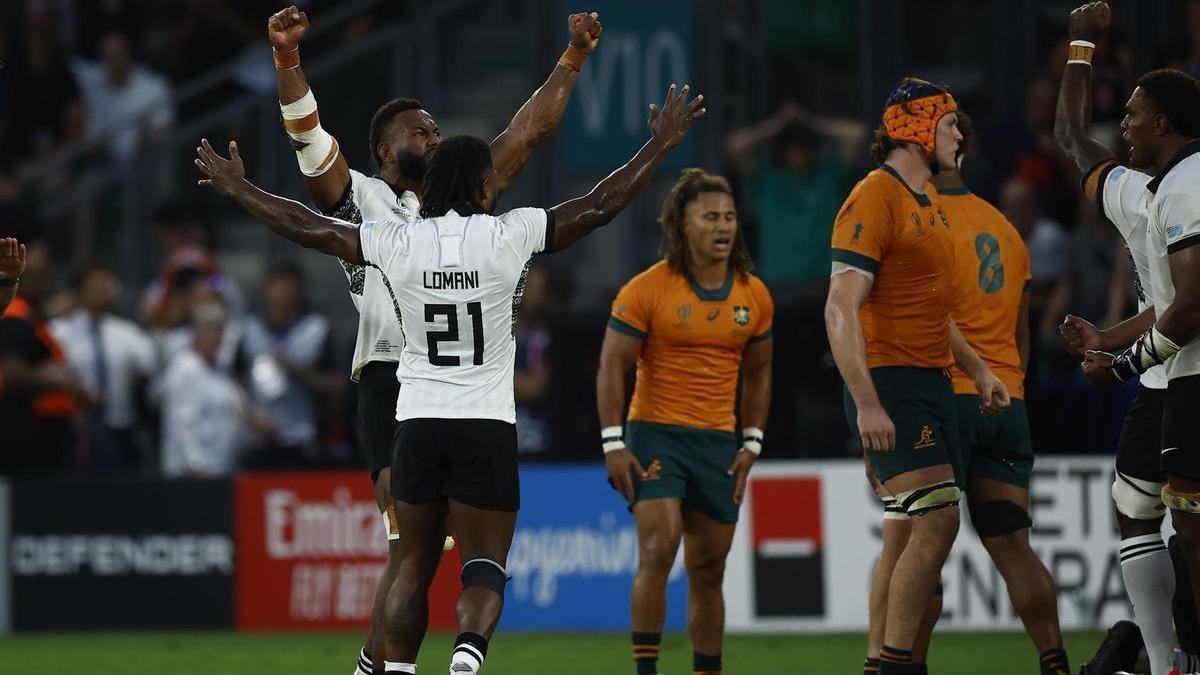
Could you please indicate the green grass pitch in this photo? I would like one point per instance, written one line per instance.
(198, 653)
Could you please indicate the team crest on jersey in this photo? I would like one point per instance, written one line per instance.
(926, 439)
(741, 315)
(654, 471)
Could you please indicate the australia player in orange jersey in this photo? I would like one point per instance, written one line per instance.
(992, 313)
(690, 323)
(888, 319)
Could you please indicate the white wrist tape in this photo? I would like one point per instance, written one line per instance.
(315, 148)
(612, 438)
(752, 438)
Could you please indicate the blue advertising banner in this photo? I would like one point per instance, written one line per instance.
(574, 555)
(645, 47)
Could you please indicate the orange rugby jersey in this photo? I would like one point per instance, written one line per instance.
(687, 371)
(904, 240)
(992, 273)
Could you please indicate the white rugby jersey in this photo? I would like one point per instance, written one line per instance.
(380, 335)
(1175, 224)
(1123, 198)
(459, 282)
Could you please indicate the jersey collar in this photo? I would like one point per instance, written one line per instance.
(717, 294)
(1184, 152)
(923, 200)
(396, 191)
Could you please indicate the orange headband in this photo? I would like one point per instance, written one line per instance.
(916, 121)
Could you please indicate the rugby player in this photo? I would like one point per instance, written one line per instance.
(1150, 199)
(402, 135)
(12, 266)
(888, 320)
(690, 322)
(461, 271)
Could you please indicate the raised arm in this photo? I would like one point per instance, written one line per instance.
(326, 173)
(12, 266)
(1073, 115)
(537, 119)
(285, 217)
(574, 219)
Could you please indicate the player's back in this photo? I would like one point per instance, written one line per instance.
(458, 282)
(991, 274)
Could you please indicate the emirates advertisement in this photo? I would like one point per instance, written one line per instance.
(310, 551)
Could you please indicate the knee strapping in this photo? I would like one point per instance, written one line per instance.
(998, 518)
(1138, 499)
(484, 572)
(1181, 501)
(928, 498)
(892, 509)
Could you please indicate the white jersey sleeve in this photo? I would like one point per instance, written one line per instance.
(1123, 198)
(531, 230)
(1179, 217)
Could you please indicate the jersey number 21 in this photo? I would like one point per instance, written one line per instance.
(434, 337)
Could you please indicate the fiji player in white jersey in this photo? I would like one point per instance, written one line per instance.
(402, 135)
(458, 272)
(1162, 127)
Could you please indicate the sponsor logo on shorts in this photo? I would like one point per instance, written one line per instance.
(741, 315)
(654, 471)
(926, 439)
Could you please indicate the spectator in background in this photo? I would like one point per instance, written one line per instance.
(1184, 53)
(112, 357)
(203, 408)
(1091, 286)
(532, 374)
(46, 109)
(289, 363)
(127, 103)
(1046, 239)
(37, 388)
(793, 198)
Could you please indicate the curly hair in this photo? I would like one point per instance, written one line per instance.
(692, 182)
(383, 118)
(1176, 95)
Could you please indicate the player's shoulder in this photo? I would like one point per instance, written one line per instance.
(757, 286)
(1125, 176)
(656, 279)
(1180, 180)
(878, 181)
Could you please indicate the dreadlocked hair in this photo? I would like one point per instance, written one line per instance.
(455, 177)
(692, 182)
(382, 119)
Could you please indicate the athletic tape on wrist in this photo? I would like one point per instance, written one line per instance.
(1080, 51)
(752, 438)
(1151, 349)
(573, 58)
(286, 60)
(612, 439)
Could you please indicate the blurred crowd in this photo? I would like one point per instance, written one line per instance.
(191, 375)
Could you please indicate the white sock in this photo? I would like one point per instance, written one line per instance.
(364, 666)
(397, 667)
(1150, 583)
(464, 663)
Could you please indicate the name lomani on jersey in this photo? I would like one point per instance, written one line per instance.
(459, 281)
(450, 281)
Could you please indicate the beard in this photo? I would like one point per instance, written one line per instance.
(412, 166)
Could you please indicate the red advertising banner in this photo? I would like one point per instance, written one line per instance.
(310, 549)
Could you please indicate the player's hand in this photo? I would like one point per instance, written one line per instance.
(1089, 22)
(670, 123)
(585, 31)
(740, 470)
(286, 28)
(876, 429)
(12, 259)
(993, 395)
(622, 466)
(1079, 335)
(1097, 368)
(224, 175)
